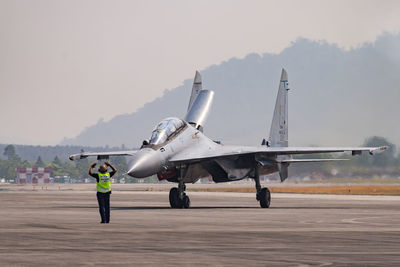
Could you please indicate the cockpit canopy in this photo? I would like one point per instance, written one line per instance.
(165, 129)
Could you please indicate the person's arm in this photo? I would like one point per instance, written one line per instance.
(114, 170)
(91, 169)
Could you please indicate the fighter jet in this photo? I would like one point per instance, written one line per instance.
(179, 152)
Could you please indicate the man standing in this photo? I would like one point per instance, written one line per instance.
(103, 189)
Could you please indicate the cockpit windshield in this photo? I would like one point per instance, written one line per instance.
(165, 129)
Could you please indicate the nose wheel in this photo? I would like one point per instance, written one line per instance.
(177, 196)
(178, 200)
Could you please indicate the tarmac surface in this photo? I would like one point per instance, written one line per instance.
(61, 228)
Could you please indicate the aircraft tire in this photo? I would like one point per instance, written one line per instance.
(186, 202)
(265, 198)
(174, 198)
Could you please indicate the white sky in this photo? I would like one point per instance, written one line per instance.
(66, 64)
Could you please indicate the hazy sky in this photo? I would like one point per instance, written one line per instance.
(66, 64)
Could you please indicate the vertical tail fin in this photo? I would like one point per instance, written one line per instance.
(278, 135)
(197, 87)
(199, 104)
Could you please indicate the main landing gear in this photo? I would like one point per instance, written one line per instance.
(263, 194)
(178, 198)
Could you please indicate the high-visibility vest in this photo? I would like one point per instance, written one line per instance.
(104, 183)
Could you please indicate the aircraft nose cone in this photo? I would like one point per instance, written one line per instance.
(145, 162)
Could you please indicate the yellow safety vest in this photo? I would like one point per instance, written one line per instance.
(104, 183)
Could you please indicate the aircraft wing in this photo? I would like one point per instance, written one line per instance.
(229, 151)
(101, 155)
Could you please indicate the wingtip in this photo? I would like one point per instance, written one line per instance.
(378, 150)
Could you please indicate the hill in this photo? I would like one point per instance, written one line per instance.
(337, 97)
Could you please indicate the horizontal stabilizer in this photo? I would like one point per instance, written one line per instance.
(101, 155)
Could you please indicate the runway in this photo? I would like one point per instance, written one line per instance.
(59, 228)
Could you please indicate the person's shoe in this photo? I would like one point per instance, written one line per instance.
(107, 222)
(102, 222)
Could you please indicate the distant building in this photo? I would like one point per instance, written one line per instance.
(33, 175)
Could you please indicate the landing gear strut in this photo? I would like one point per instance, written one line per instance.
(177, 196)
(263, 194)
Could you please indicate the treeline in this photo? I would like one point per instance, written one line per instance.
(74, 169)
(48, 153)
(365, 166)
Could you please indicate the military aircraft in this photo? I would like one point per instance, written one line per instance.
(179, 152)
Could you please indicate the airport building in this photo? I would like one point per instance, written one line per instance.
(33, 175)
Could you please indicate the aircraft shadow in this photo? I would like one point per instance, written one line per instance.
(208, 207)
(166, 208)
(223, 207)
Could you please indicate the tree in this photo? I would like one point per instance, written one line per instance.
(26, 164)
(56, 167)
(8, 166)
(120, 164)
(69, 168)
(9, 152)
(2, 169)
(57, 161)
(39, 163)
(82, 168)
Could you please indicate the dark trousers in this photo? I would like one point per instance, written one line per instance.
(104, 206)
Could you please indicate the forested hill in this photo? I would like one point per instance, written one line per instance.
(337, 97)
(48, 153)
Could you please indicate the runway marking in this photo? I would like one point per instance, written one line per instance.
(93, 228)
(274, 195)
(357, 220)
(351, 220)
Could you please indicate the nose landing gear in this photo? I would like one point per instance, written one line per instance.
(178, 198)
